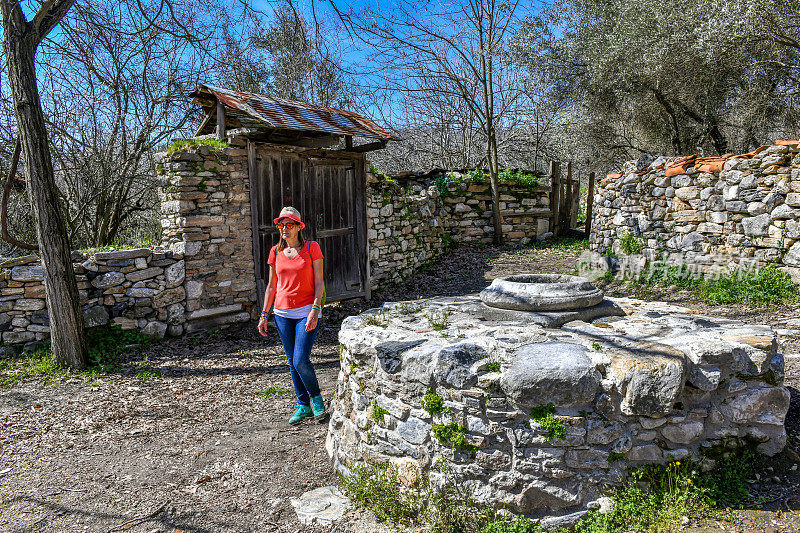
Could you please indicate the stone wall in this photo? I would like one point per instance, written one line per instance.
(657, 383)
(141, 288)
(205, 217)
(409, 228)
(711, 213)
(203, 274)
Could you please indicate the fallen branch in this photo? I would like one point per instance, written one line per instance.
(141, 519)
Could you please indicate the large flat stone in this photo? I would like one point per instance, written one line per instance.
(453, 365)
(650, 377)
(551, 372)
(757, 405)
(320, 507)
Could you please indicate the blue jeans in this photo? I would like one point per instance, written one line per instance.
(297, 343)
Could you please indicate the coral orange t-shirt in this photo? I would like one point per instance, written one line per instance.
(295, 276)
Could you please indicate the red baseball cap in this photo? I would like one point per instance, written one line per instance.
(292, 214)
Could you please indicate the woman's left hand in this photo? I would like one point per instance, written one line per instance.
(311, 321)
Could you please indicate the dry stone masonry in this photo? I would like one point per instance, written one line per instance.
(409, 228)
(205, 217)
(545, 420)
(711, 213)
(141, 288)
(203, 274)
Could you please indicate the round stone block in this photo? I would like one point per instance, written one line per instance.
(541, 292)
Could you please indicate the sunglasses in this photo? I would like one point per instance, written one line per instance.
(288, 225)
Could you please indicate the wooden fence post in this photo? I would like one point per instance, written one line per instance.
(576, 202)
(589, 205)
(555, 193)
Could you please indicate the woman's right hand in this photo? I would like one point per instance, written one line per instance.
(262, 326)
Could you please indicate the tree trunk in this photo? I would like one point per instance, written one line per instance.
(491, 155)
(66, 320)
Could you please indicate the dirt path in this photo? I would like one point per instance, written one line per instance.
(200, 445)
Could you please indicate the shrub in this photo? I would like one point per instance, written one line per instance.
(452, 434)
(181, 144)
(378, 413)
(544, 416)
(433, 403)
(631, 244)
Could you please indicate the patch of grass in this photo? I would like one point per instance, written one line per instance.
(631, 244)
(493, 366)
(379, 320)
(105, 345)
(438, 319)
(144, 375)
(433, 403)
(452, 434)
(561, 244)
(766, 286)
(378, 413)
(181, 144)
(596, 346)
(544, 416)
(477, 176)
(409, 308)
(40, 364)
(273, 391)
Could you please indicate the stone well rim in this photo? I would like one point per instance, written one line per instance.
(541, 292)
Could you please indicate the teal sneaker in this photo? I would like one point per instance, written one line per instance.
(319, 409)
(303, 411)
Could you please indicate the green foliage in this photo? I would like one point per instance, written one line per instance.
(441, 185)
(377, 414)
(477, 176)
(544, 416)
(631, 244)
(144, 375)
(562, 244)
(447, 238)
(40, 364)
(433, 403)
(107, 343)
(379, 320)
(409, 308)
(726, 484)
(452, 434)
(493, 366)
(616, 456)
(438, 319)
(447, 507)
(519, 524)
(514, 177)
(375, 487)
(274, 391)
(765, 286)
(182, 144)
(596, 346)
(653, 500)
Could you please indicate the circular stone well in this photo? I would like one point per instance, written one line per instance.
(655, 383)
(541, 292)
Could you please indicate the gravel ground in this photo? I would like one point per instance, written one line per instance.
(197, 449)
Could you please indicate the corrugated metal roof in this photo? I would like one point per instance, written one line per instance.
(279, 113)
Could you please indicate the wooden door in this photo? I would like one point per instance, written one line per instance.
(329, 193)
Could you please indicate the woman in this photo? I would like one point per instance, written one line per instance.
(296, 287)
